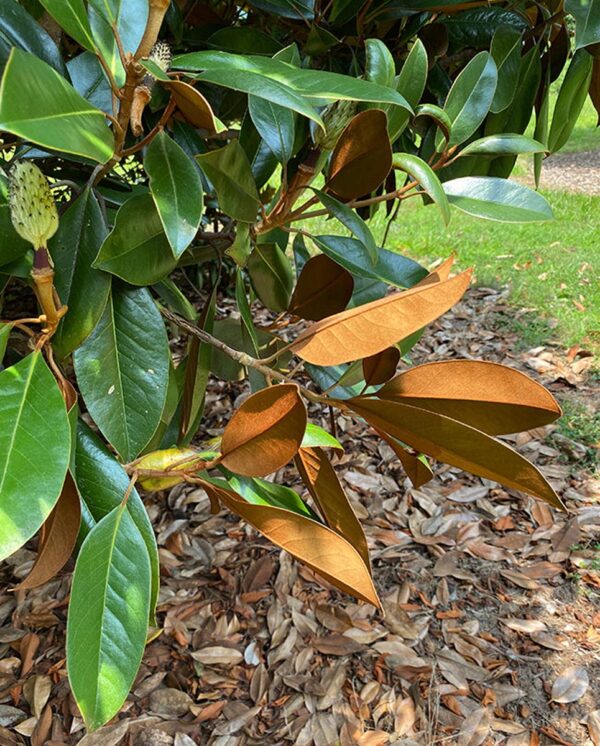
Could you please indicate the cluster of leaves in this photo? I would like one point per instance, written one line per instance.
(181, 173)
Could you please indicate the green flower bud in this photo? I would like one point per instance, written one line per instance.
(335, 117)
(32, 208)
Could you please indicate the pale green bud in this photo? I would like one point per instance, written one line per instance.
(335, 117)
(32, 208)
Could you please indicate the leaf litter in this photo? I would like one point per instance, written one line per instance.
(491, 625)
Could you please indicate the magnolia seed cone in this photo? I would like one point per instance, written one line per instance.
(32, 208)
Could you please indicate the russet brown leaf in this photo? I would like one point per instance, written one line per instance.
(323, 289)
(265, 432)
(417, 469)
(380, 367)
(454, 443)
(438, 274)
(324, 486)
(368, 329)
(322, 549)
(59, 534)
(194, 108)
(488, 396)
(362, 157)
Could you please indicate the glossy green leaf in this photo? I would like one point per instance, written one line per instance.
(505, 49)
(471, 96)
(391, 267)
(587, 21)
(380, 67)
(137, 250)
(81, 287)
(296, 9)
(351, 220)
(108, 616)
(122, 370)
(497, 199)
(317, 437)
(318, 86)
(38, 104)
(88, 79)
(102, 484)
(35, 445)
(276, 126)
(231, 175)
(410, 83)
(508, 144)
(129, 18)
(422, 172)
(176, 189)
(19, 29)
(71, 15)
(261, 492)
(571, 98)
(475, 26)
(271, 275)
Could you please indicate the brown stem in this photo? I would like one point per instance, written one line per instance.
(156, 14)
(42, 275)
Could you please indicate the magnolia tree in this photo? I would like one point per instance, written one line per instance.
(163, 162)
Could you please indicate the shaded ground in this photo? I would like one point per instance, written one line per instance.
(489, 597)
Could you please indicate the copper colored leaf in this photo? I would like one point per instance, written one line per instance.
(362, 157)
(323, 288)
(415, 465)
(59, 534)
(571, 685)
(488, 396)
(324, 551)
(440, 273)
(265, 432)
(380, 367)
(193, 106)
(371, 328)
(323, 484)
(456, 444)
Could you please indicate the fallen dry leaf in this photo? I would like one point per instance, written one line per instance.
(571, 685)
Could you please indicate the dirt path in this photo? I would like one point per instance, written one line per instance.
(489, 597)
(571, 172)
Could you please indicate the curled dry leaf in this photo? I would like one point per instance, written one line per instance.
(265, 432)
(362, 157)
(322, 549)
(58, 537)
(571, 685)
(368, 329)
(323, 484)
(440, 273)
(381, 367)
(488, 396)
(414, 464)
(456, 444)
(323, 289)
(194, 108)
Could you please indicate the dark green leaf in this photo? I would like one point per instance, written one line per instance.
(81, 287)
(271, 275)
(102, 483)
(497, 199)
(122, 370)
(276, 126)
(410, 83)
(176, 189)
(137, 250)
(35, 446)
(587, 21)
(89, 80)
(229, 171)
(571, 98)
(12, 246)
(108, 616)
(391, 268)
(351, 220)
(470, 97)
(506, 52)
(38, 104)
(19, 29)
(297, 9)
(503, 145)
